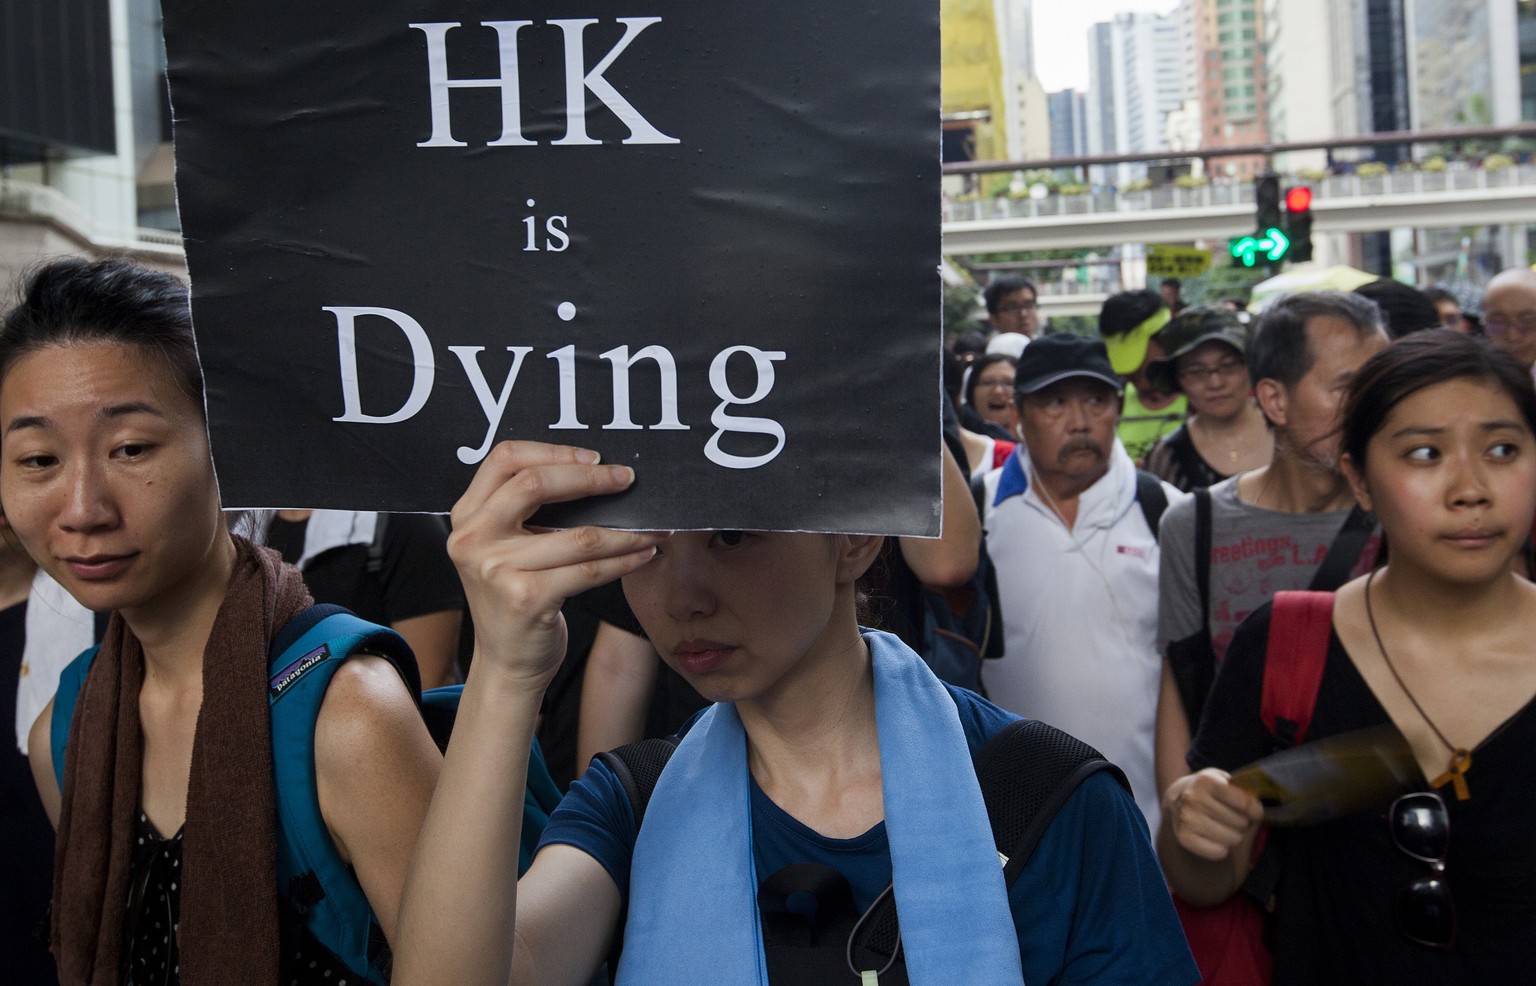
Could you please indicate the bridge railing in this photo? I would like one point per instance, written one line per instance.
(1222, 192)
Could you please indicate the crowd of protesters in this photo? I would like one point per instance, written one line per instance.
(1120, 512)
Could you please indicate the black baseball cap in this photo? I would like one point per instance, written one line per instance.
(1061, 355)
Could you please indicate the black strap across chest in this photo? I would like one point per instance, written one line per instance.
(1027, 771)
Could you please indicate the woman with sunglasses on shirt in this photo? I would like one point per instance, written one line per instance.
(827, 746)
(1439, 887)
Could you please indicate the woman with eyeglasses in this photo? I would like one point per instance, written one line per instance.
(989, 395)
(1439, 886)
(1225, 433)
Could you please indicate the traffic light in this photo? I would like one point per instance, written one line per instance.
(1298, 222)
(1270, 242)
(1266, 197)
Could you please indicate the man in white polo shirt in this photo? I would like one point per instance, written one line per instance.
(1070, 529)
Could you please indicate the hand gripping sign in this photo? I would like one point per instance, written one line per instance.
(702, 239)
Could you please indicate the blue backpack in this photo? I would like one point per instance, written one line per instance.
(318, 890)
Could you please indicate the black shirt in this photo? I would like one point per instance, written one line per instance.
(405, 573)
(1174, 458)
(1335, 919)
(26, 866)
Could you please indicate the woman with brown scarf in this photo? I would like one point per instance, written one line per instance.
(168, 800)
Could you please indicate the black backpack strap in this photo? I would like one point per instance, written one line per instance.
(1203, 554)
(1152, 498)
(1344, 552)
(1027, 771)
(638, 767)
(376, 546)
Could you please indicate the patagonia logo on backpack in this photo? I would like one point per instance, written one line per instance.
(296, 670)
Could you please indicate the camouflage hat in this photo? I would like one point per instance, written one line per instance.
(1188, 331)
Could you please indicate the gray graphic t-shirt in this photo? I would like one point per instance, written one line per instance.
(1255, 553)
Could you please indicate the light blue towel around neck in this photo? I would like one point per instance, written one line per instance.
(693, 918)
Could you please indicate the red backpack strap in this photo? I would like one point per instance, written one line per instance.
(1300, 624)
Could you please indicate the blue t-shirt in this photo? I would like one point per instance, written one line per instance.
(1090, 906)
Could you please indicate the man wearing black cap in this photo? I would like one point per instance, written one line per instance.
(1071, 532)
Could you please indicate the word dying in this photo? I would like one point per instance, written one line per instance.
(494, 404)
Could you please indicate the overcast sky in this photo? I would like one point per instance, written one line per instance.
(1061, 36)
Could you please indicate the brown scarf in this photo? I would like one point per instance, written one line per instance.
(229, 925)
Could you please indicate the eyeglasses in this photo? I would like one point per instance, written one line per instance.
(1200, 374)
(1014, 307)
(1523, 324)
(1421, 828)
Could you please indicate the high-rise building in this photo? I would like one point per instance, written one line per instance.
(975, 101)
(1229, 45)
(1069, 123)
(1101, 91)
(1136, 79)
(1464, 62)
(1526, 15)
(1029, 121)
(1016, 37)
(1301, 76)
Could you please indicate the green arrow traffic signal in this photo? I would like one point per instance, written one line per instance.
(1274, 243)
(1272, 246)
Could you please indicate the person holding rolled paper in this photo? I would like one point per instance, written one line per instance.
(1434, 886)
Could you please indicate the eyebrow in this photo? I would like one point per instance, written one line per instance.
(1485, 426)
(110, 411)
(27, 421)
(130, 407)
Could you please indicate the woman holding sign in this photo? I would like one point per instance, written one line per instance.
(161, 783)
(832, 762)
(1440, 886)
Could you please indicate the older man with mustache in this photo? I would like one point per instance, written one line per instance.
(1071, 529)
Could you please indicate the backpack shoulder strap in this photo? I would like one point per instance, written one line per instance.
(1027, 771)
(440, 708)
(1203, 523)
(1300, 624)
(638, 767)
(1152, 498)
(71, 679)
(1344, 551)
(312, 876)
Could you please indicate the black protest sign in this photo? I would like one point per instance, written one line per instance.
(702, 239)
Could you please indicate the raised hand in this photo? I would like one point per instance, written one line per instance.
(515, 576)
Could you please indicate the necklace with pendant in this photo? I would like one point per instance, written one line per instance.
(1461, 758)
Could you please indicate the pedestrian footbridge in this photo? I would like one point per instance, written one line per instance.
(1456, 196)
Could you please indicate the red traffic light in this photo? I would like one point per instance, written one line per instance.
(1298, 199)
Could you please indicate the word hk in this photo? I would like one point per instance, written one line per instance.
(578, 82)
